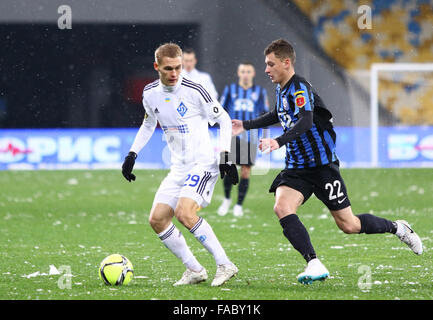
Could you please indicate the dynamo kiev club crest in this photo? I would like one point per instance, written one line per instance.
(182, 109)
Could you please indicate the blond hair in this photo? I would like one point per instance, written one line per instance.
(170, 50)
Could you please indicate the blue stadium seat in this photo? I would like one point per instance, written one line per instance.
(401, 33)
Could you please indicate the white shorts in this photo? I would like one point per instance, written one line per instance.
(197, 183)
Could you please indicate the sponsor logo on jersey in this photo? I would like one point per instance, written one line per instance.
(285, 104)
(285, 120)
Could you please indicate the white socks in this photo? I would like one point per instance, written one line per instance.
(174, 240)
(203, 232)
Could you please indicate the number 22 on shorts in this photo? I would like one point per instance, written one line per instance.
(337, 185)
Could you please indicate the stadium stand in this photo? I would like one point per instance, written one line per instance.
(401, 32)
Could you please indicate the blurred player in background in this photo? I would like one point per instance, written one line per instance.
(312, 165)
(190, 72)
(243, 100)
(184, 109)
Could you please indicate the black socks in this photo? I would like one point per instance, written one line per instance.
(371, 224)
(243, 188)
(227, 187)
(298, 236)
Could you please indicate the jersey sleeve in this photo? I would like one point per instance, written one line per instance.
(214, 111)
(265, 120)
(210, 87)
(210, 106)
(303, 98)
(216, 114)
(304, 123)
(146, 129)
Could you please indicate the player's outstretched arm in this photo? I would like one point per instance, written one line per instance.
(265, 120)
(143, 135)
(216, 113)
(226, 165)
(304, 123)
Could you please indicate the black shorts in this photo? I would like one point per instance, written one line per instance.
(324, 181)
(246, 152)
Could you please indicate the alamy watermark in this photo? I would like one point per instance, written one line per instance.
(65, 280)
(65, 19)
(364, 20)
(243, 149)
(364, 281)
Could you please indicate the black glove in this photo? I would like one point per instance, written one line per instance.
(127, 166)
(227, 167)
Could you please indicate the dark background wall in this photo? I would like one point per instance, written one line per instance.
(90, 76)
(93, 74)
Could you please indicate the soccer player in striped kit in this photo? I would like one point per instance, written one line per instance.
(312, 165)
(243, 100)
(184, 108)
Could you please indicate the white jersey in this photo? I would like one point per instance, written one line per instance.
(183, 112)
(202, 78)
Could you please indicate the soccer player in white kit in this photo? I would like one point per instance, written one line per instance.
(184, 109)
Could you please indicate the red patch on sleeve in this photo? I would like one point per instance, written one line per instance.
(300, 101)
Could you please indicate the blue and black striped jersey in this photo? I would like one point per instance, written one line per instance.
(316, 146)
(245, 104)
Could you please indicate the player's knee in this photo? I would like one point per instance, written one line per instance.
(245, 175)
(348, 228)
(158, 224)
(153, 221)
(245, 172)
(184, 216)
(283, 210)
